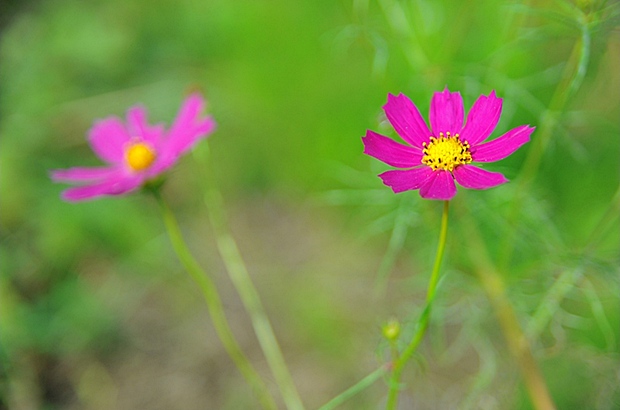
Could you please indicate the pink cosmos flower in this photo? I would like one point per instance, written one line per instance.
(437, 156)
(135, 152)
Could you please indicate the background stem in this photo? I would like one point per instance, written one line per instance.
(572, 79)
(516, 339)
(355, 389)
(240, 277)
(214, 303)
(399, 364)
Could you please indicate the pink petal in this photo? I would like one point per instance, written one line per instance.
(390, 152)
(482, 119)
(138, 126)
(117, 185)
(503, 146)
(439, 186)
(406, 120)
(206, 126)
(108, 138)
(188, 128)
(473, 177)
(185, 140)
(81, 174)
(404, 180)
(446, 114)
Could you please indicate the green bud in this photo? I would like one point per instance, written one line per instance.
(391, 330)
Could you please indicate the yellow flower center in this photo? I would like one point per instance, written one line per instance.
(139, 156)
(446, 152)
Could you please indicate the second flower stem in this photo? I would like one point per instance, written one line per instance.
(518, 343)
(355, 389)
(401, 361)
(214, 303)
(243, 283)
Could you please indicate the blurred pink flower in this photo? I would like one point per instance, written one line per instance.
(135, 152)
(437, 156)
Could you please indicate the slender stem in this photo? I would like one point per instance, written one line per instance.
(432, 286)
(399, 364)
(394, 349)
(214, 303)
(517, 341)
(355, 389)
(572, 78)
(243, 283)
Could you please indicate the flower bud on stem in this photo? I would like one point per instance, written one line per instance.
(401, 361)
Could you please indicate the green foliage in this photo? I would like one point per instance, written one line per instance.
(293, 87)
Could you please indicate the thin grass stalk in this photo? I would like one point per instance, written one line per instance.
(516, 339)
(355, 389)
(571, 81)
(238, 273)
(214, 303)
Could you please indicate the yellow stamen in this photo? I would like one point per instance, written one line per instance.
(446, 152)
(139, 156)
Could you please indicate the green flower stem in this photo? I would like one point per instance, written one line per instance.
(355, 389)
(243, 283)
(517, 341)
(214, 304)
(394, 349)
(401, 361)
(432, 286)
(572, 78)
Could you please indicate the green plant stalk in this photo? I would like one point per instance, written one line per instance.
(516, 339)
(355, 389)
(243, 283)
(572, 78)
(570, 83)
(399, 363)
(214, 303)
(394, 350)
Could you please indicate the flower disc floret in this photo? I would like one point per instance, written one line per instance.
(446, 152)
(139, 156)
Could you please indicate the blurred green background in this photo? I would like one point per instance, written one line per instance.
(96, 312)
